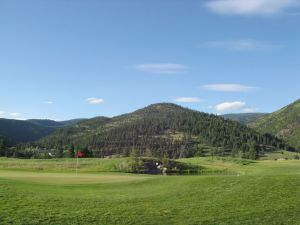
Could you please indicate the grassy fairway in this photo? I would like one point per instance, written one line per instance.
(49, 192)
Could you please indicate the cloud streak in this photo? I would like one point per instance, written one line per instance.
(242, 45)
(2, 113)
(15, 114)
(94, 101)
(161, 68)
(228, 87)
(188, 100)
(250, 7)
(248, 110)
(229, 106)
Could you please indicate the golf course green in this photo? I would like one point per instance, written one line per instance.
(239, 192)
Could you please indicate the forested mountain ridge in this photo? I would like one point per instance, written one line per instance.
(161, 129)
(53, 123)
(244, 118)
(30, 130)
(5, 142)
(284, 123)
(23, 131)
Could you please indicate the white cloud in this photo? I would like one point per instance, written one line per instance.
(242, 45)
(162, 68)
(15, 114)
(2, 113)
(48, 102)
(249, 110)
(188, 100)
(229, 106)
(21, 118)
(250, 7)
(228, 87)
(94, 101)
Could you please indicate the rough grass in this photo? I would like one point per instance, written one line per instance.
(263, 192)
(65, 164)
(280, 155)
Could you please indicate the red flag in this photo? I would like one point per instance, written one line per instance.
(80, 154)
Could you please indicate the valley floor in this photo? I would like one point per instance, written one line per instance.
(50, 192)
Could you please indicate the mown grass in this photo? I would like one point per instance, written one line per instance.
(262, 192)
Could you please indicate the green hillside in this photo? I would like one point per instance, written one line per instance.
(284, 123)
(23, 131)
(244, 118)
(30, 130)
(53, 123)
(162, 130)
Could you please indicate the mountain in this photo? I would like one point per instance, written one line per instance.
(30, 130)
(4, 142)
(244, 118)
(23, 131)
(70, 122)
(45, 122)
(284, 123)
(53, 123)
(161, 129)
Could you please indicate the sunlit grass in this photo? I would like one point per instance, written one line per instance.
(261, 192)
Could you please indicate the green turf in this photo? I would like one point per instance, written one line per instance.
(262, 192)
(280, 155)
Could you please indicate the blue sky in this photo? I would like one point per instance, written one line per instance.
(64, 59)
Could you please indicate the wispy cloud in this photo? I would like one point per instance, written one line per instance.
(162, 68)
(48, 102)
(2, 113)
(94, 101)
(250, 7)
(228, 87)
(188, 100)
(15, 114)
(242, 45)
(249, 110)
(229, 106)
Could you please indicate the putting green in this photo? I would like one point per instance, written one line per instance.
(70, 178)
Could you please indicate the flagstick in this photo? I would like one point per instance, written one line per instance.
(77, 163)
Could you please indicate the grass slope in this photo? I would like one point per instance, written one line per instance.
(244, 118)
(265, 192)
(284, 123)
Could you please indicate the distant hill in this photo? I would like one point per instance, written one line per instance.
(30, 130)
(284, 123)
(71, 122)
(4, 142)
(161, 129)
(244, 118)
(53, 123)
(45, 122)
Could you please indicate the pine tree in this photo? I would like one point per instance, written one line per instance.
(72, 151)
(252, 151)
(134, 160)
(148, 152)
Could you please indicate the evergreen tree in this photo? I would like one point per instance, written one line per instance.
(59, 152)
(134, 160)
(252, 151)
(148, 152)
(72, 151)
(2, 148)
